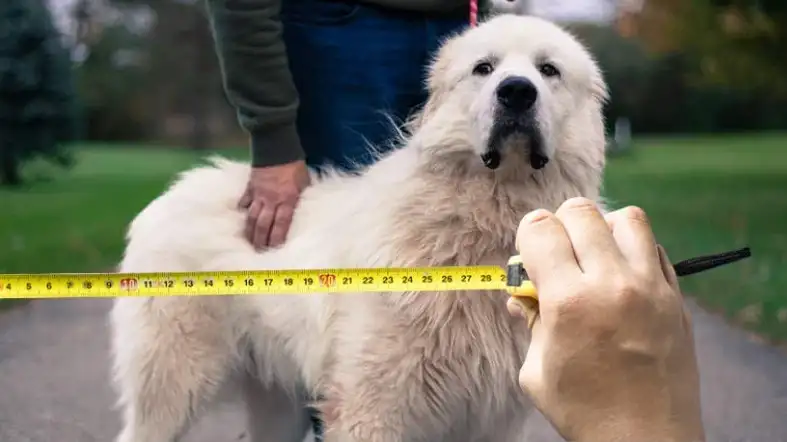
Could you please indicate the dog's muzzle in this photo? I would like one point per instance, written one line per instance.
(515, 117)
(538, 160)
(491, 159)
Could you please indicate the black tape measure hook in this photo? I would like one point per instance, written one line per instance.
(516, 274)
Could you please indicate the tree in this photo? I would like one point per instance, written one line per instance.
(114, 86)
(38, 113)
(656, 92)
(733, 43)
(180, 41)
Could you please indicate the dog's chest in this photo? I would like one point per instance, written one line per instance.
(449, 369)
(478, 356)
(467, 340)
(475, 334)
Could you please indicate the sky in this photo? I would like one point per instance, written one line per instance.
(60, 10)
(553, 9)
(590, 10)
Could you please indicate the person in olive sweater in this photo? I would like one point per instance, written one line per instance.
(311, 81)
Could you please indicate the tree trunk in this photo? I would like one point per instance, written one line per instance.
(200, 94)
(9, 168)
(200, 132)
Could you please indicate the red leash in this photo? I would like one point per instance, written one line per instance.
(473, 13)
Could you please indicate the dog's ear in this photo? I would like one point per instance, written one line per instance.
(419, 117)
(599, 90)
(438, 71)
(437, 74)
(598, 87)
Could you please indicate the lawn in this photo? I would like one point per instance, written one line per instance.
(708, 195)
(75, 221)
(704, 195)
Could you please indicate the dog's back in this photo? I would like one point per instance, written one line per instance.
(190, 222)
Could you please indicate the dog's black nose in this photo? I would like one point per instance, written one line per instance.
(517, 93)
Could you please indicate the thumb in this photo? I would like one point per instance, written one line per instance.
(524, 307)
(245, 199)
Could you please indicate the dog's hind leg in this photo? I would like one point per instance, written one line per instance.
(273, 413)
(171, 356)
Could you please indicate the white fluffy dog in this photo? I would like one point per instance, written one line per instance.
(513, 123)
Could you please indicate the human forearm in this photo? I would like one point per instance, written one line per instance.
(636, 432)
(627, 428)
(256, 76)
(639, 405)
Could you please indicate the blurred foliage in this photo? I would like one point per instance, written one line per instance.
(38, 101)
(675, 66)
(113, 92)
(137, 78)
(740, 44)
(657, 91)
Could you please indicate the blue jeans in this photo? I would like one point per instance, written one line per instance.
(352, 65)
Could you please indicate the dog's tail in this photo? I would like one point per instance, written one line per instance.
(194, 222)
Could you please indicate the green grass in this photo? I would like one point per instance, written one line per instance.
(703, 195)
(75, 221)
(708, 195)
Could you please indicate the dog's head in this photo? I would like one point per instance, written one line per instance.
(515, 89)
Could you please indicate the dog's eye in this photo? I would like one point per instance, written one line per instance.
(548, 70)
(483, 68)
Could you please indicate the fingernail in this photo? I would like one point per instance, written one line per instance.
(536, 216)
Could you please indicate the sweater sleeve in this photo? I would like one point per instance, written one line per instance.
(256, 76)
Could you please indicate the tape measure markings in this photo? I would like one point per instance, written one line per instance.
(279, 282)
(261, 282)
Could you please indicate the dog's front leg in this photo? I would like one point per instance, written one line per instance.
(393, 397)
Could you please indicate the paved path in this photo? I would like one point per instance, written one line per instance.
(54, 381)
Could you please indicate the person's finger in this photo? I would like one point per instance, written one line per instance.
(245, 199)
(667, 268)
(281, 225)
(515, 307)
(545, 248)
(632, 232)
(594, 246)
(252, 214)
(262, 227)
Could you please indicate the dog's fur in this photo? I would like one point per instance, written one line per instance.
(390, 367)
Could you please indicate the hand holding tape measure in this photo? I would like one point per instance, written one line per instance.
(611, 353)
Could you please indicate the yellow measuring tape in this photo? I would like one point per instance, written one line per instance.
(267, 282)
(512, 279)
